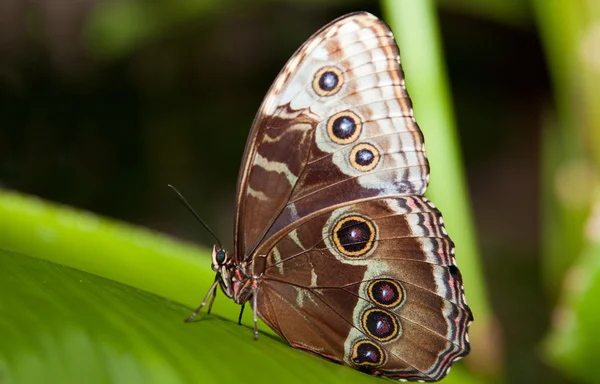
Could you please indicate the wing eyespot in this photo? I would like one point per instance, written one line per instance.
(328, 81)
(380, 324)
(344, 127)
(354, 236)
(364, 157)
(386, 293)
(367, 353)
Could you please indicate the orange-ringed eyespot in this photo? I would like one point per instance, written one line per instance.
(354, 236)
(366, 352)
(344, 127)
(380, 324)
(364, 157)
(328, 81)
(385, 292)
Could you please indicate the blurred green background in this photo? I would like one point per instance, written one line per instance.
(103, 103)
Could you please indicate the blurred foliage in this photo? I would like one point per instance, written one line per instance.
(512, 12)
(570, 164)
(116, 28)
(102, 103)
(573, 344)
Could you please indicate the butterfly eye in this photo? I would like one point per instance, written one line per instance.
(328, 81)
(344, 127)
(364, 157)
(220, 257)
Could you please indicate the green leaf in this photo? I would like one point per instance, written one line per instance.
(62, 325)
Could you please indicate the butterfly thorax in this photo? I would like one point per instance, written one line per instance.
(234, 278)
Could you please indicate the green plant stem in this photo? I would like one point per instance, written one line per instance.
(416, 32)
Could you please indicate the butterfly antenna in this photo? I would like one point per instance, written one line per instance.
(183, 201)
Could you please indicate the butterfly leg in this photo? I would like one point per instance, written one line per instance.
(254, 309)
(212, 300)
(210, 291)
(241, 313)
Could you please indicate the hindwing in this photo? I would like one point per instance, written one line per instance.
(373, 285)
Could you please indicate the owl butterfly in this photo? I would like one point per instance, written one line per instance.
(336, 249)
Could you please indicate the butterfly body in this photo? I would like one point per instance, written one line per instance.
(336, 248)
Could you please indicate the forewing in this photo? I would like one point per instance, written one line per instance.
(336, 127)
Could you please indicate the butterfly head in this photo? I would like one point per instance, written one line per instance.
(223, 264)
(233, 277)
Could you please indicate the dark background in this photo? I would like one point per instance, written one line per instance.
(104, 124)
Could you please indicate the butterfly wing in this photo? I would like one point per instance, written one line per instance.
(336, 126)
(353, 263)
(372, 285)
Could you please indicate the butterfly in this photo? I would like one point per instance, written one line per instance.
(335, 247)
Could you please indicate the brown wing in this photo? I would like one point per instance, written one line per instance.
(336, 127)
(372, 285)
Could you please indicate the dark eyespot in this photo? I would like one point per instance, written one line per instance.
(364, 157)
(380, 324)
(344, 127)
(385, 292)
(328, 81)
(354, 236)
(366, 352)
